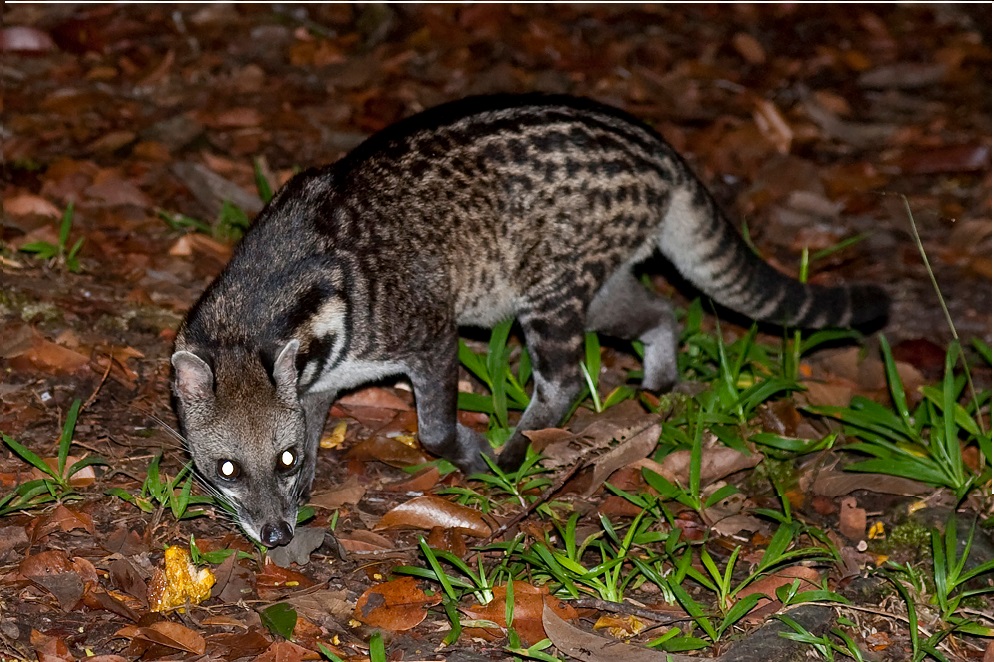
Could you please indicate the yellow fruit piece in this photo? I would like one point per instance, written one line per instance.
(407, 439)
(876, 531)
(180, 584)
(337, 436)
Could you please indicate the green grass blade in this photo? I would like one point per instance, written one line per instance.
(29, 456)
(65, 226)
(65, 440)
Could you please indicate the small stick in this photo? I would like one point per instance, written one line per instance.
(100, 384)
(626, 608)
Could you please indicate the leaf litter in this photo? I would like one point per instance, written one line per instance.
(127, 112)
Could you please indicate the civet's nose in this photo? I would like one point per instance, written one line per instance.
(274, 535)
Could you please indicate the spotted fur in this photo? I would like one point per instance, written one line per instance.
(530, 207)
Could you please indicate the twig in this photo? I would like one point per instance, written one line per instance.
(626, 608)
(100, 384)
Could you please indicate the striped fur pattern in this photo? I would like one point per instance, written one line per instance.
(495, 207)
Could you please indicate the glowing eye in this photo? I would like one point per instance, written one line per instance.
(287, 459)
(228, 470)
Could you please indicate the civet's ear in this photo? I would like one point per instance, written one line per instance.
(285, 369)
(194, 378)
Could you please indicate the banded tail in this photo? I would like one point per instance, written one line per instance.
(708, 251)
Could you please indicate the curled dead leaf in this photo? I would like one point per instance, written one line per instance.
(427, 512)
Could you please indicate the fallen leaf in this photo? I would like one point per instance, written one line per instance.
(903, 76)
(273, 581)
(620, 626)
(375, 397)
(451, 540)
(635, 447)
(831, 482)
(50, 648)
(63, 518)
(25, 39)
(422, 481)
(590, 647)
(169, 634)
(125, 576)
(348, 493)
(361, 540)
(395, 605)
(28, 204)
(67, 587)
(387, 450)
(749, 48)
(852, 519)
(305, 540)
(336, 438)
(51, 562)
(718, 462)
(286, 651)
(956, 158)
(529, 603)
(324, 604)
(427, 512)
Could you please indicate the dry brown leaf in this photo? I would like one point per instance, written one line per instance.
(635, 447)
(24, 39)
(529, 603)
(387, 450)
(375, 397)
(427, 512)
(852, 519)
(422, 481)
(169, 634)
(718, 462)
(831, 482)
(361, 540)
(50, 648)
(27, 203)
(590, 647)
(286, 651)
(49, 562)
(395, 605)
(828, 394)
(35, 351)
(63, 518)
(749, 48)
(323, 604)
(773, 125)
(350, 492)
(273, 581)
(450, 540)
(810, 580)
(82, 478)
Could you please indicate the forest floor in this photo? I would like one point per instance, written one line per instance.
(811, 126)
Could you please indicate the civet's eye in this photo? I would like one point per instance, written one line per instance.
(287, 460)
(228, 469)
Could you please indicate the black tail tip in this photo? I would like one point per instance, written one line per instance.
(869, 306)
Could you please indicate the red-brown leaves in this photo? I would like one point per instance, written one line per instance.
(395, 605)
(427, 512)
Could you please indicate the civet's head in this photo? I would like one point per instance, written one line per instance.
(243, 421)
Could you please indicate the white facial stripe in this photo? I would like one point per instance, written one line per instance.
(329, 318)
